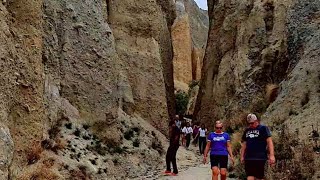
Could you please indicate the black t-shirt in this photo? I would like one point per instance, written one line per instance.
(175, 136)
(256, 141)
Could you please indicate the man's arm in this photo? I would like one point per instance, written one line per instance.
(229, 148)
(243, 150)
(272, 159)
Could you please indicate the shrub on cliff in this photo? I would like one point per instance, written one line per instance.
(182, 100)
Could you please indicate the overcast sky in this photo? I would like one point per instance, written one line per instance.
(202, 4)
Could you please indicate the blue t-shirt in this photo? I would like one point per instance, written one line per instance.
(219, 143)
(256, 141)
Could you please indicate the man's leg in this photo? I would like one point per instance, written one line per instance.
(174, 160)
(260, 165)
(250, 168)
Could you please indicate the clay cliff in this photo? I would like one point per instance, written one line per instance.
(189, 35)
(262, 57)
(84, 86)
(252, 44)
(143, 43)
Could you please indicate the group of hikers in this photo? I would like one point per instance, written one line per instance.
(198, 133)
(256, 147)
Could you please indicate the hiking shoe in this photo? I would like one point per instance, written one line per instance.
(167, 172)
(174, 174)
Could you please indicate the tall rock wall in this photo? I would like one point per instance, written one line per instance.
(22, 90)
(182, 48)
(255, 43)
(83, 81)
(189, 35)
(143, 43)
(263, 57)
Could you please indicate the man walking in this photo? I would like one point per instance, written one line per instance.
(255, 140)
(174, 133)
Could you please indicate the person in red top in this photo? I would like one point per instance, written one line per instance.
(174, 133)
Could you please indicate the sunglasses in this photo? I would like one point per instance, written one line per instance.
(218, 127)
(251, 123)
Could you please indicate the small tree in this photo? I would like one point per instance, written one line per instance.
(182, 100)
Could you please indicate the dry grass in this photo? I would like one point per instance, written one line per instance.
(236, 143)
(271, 92)
(295, 160)
(40, 174)
(238, 122)
(34, 154)
(60, 144)
(80, 174)
(48, 163)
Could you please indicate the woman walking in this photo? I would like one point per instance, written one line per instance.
(195, 134)
(187, 132)
(202, 138)
(219, 143)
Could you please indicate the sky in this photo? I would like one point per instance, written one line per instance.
(202, 4)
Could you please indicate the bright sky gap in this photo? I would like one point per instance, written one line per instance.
(202, 4)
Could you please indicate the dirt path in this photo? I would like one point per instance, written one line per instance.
(201, 172)
(190, 167)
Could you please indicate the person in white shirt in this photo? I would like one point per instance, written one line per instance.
(202, 134)
(187, 133)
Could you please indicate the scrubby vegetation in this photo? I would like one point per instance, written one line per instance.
(182, 100)
(295, 159)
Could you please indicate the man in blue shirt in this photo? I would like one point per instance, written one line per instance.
(255, 140)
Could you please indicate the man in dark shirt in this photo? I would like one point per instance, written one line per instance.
(174, 133)
(255, 140)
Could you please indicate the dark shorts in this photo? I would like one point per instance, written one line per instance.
(220, 161)
(255, 168)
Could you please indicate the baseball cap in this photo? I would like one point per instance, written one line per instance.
(251, 118)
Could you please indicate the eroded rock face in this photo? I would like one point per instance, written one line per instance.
(182, 48)
(299, 92)
(79, 56)
(78, 75)
(250, 45)
(189, 34)
(143, 43)
(255, 43)
(22, 108)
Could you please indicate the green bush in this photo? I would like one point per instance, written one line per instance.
(118, 150)
(182, 100)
